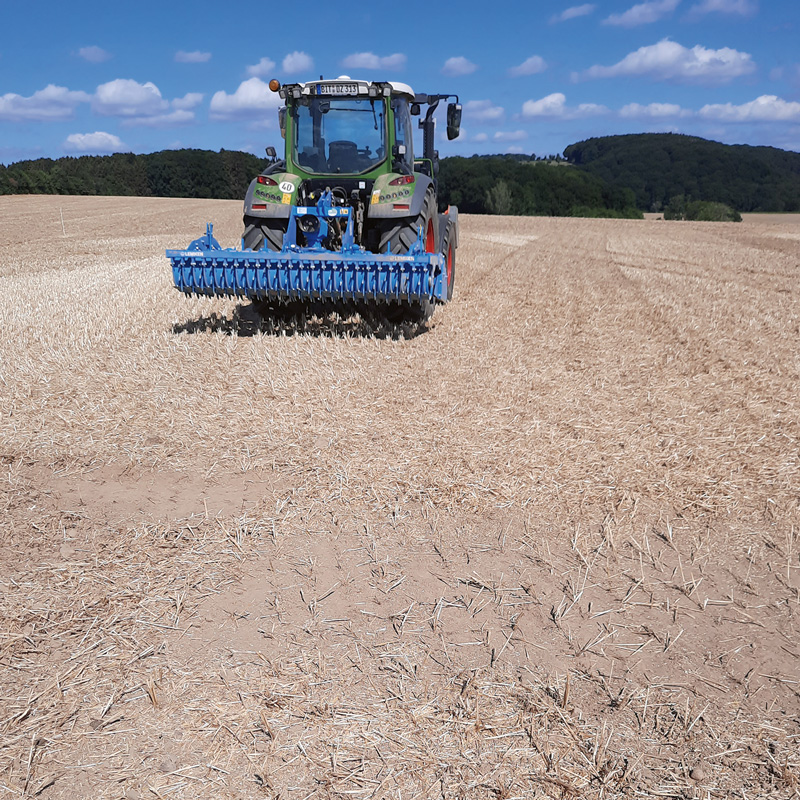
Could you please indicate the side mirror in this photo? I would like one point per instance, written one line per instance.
(271, 153)
(415, 111)
(453, 120)
(282, 121)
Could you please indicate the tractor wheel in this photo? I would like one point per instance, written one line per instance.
(257, 230)
(449, 253)
(401, 234)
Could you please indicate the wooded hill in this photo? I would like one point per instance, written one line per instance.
(481, 185)
(168, 173)
(520, 185)
(660, 166)
(609, 176)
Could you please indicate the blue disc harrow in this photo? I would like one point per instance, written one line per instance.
(311, 272)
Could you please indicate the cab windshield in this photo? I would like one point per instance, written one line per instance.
(339, 135)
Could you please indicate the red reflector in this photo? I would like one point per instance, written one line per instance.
(265, 181)
(402, 180)
(395, 206)
(259, 205)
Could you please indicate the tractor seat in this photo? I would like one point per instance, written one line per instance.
(343, 156)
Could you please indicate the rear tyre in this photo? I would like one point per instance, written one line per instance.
(401, 234)
(449, 253)
(258, 230)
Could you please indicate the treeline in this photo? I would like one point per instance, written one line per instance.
(658, 167)
(612, 176)
(523, 186)
(169, 173)
(515, 184)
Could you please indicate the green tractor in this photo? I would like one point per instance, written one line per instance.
(348, 215)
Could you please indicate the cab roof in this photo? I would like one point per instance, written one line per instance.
(361, 87)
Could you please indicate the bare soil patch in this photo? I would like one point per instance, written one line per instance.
(545, 547)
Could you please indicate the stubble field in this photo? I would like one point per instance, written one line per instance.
(546, 547)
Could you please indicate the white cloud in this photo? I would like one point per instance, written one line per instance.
(573, 12)
(767, 108)
(483, 111)
(653, 111)
(169, 120)
(514, 150)
(264, 68)
(253, 99)
(97, 142)
(669, 60)
(587, 110)
(94, 54)
(510, 136)
(371, 61)
(480, 137)
(643, 13)
(530, 66)
(458, 65)
(741, 7)
(190, 100)
(297, 62)
(142, 104)
(50, 103)
(128, 98)
(555, 105)
(193, 57)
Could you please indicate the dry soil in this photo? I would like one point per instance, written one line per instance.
(545, 546)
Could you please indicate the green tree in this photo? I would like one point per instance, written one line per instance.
(676, 208)
(499, 199)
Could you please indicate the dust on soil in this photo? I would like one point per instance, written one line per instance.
(546, 547)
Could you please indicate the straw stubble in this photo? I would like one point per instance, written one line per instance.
(544, 547)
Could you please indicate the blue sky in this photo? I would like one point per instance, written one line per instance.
(95, 77)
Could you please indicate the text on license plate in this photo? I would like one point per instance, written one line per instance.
(337, 88)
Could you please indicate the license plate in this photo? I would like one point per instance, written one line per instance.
(337, 88)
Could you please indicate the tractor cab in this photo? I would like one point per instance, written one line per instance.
(347, 128)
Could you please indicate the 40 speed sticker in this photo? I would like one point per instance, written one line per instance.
(286, 186)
